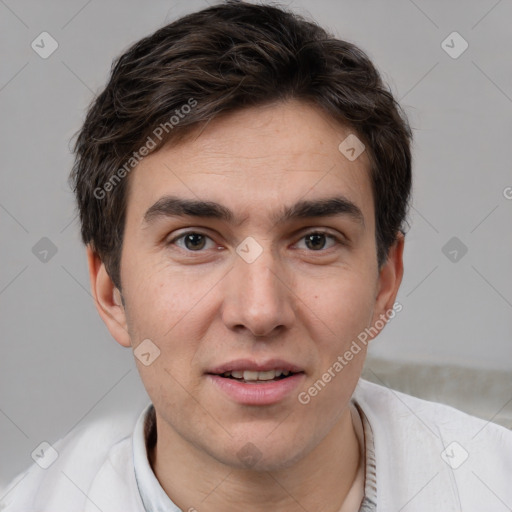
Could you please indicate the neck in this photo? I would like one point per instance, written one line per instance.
(320, 481)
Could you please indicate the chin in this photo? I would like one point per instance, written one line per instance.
(261, 456)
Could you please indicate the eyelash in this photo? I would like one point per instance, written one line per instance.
(338, 241)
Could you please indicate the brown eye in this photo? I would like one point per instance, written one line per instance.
(316, 241)
(194, 241)
(191, 241)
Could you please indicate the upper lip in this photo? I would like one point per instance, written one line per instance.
(255, 366)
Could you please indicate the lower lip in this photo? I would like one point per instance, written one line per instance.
(261, 393)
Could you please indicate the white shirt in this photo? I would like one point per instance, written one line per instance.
(427, 457)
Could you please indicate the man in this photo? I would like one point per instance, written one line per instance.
(242, 183)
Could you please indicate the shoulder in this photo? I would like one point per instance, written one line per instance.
(463, 461)
(391, 406)
(64, 472)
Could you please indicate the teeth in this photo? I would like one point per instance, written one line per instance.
(271, 374)
(253, 376)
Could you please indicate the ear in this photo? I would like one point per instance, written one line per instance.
(107, 299)
(388, 283)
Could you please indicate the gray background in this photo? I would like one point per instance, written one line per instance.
(59, 365)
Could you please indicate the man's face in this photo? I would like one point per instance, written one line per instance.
(254, 292)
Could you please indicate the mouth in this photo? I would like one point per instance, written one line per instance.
(255, 377)
(248, 382)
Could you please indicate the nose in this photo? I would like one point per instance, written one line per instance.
(258, 296)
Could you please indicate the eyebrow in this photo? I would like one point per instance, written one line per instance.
(172, 206)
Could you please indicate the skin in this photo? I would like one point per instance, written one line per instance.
(295, 301)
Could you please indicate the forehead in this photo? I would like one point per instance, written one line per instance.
(255, 160)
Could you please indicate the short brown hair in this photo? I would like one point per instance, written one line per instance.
(222, 59)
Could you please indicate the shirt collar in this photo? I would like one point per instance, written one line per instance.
(369, 503)
(151, 493)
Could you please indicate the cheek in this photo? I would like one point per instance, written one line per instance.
(341, 305)
(163, 301)
(342, 308)
(168, 315)
(167, 311)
